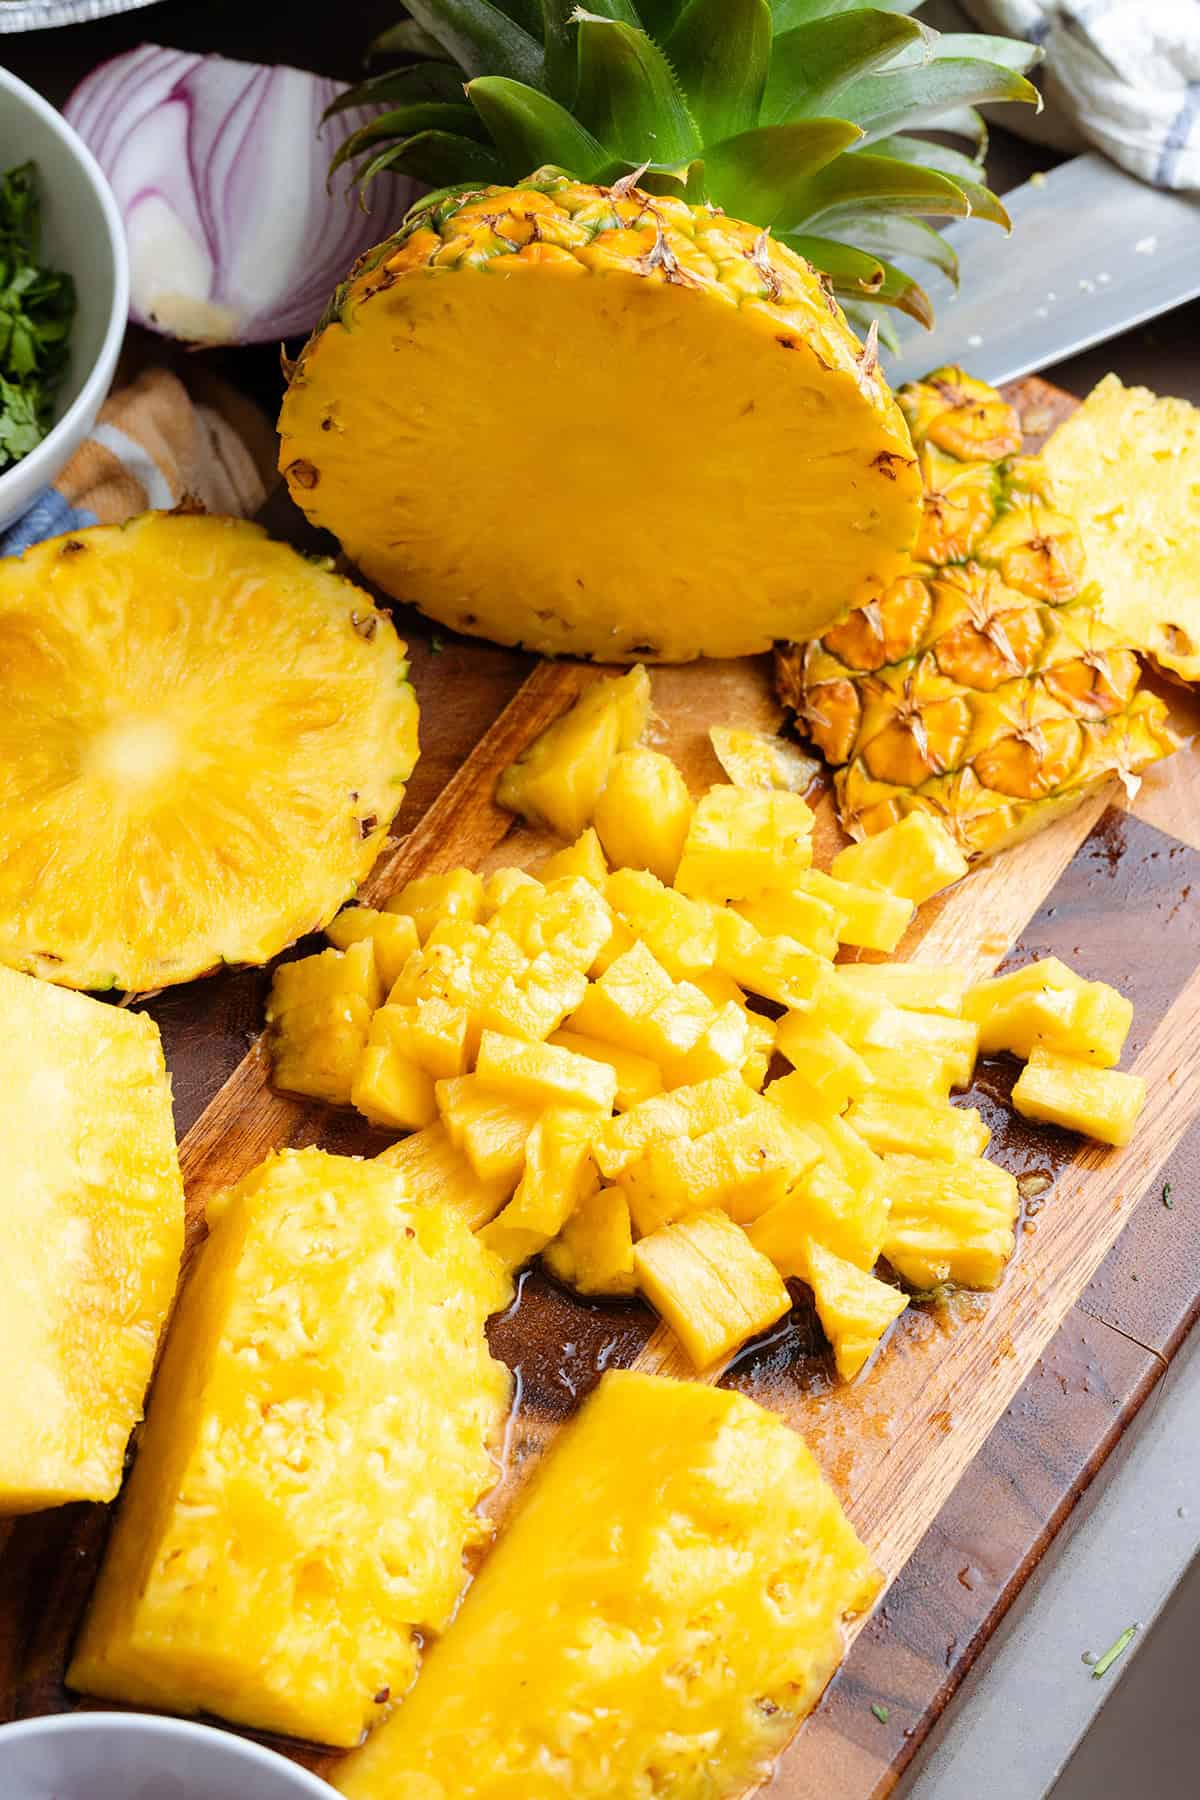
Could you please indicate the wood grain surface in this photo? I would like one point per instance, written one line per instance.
(975, 1432)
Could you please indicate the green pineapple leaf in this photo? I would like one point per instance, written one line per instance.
(764, 175)
(420, 81)
(531, 130)
(720, 50)
(787, 14)
(407, 122)
(628, 96)
(961, 169)
(432, 156)
(893, 235)
(876, 184)
(525, 13)
(405, 39)
(813, 63)
(559, 20)
(862, 316)
(481, 39)
(884, 103)
(859, 276)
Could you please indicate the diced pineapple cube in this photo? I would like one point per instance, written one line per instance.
(643, 813)
(568, 917)
(91, 1231)
(915, 858)
(909, 1074)
(760, 1035)
(318, 1016)
(491, 1129)
(431, 1033)
(614, 1006)
(621, 941)
(637, 1077)
(794, 914)
(828, 1072)
(1047, 1003)
(503, 883)
(544, 1074)
(915, 986)
(823, 1205)
(777, 968)
(713, 1288)
(296, 1519)
(956, 1041)
(867, 918)
(535, 1004)
(727, 1042)
(583, 858)
(680, 932)
(673, 1025)
(559, 1173)
(557, 779)
(744, 842)
(687, 1112)
(949, 1220)
(841, 1145)
(429, 899)
(1064, 1090)
(761, 759)
(389, 1088)
(394, 936)
(854, 1308)
(593, 1252)
(432, 1169)
(744, 1167)
(843, 1009)
(924, 1128)
(664, 1607)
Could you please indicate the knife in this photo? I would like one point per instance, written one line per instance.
(1093, 252)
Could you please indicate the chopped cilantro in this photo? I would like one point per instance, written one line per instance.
(1166, 1197)
(37, 309)
(882, 1713)
(1105, 1663)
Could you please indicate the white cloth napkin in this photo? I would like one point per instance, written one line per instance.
(1120, 75)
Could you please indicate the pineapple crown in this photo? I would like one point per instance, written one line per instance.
(797, 115)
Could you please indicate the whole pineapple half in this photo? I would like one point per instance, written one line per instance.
(802, 115)
(601, 422)
(982, 685)
(204, 739)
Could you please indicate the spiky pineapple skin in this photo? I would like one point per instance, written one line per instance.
(496, 377)
(983, 685)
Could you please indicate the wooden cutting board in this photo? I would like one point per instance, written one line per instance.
(970, 1439)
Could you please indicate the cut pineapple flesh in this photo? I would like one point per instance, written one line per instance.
(1063, 1090)
(298, 1512)
(674, 1527)
(855, 1310)
(558, 779)
(757, 759)
(91, 1231)
(526, 1003)
(204, 741)
(701, 353)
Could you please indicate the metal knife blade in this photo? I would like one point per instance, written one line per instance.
(1093, 251)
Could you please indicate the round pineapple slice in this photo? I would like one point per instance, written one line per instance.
(594, 421)
(204, 739)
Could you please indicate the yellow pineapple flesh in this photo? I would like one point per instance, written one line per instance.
(949, 1220)
(558, 779)
(1127, 465)
(675, 1528)
(91, 1231)
(319, 1436)
(1063, 1090)
(701, 353)
(988, 685)
(643, 812)
(854, 1308)
(205, 738)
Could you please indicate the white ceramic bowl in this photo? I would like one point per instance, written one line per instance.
(139, 1756)
(82, 232)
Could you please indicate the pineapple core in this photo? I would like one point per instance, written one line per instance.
(663, 1608)
(318, 1440)
(91, 1230)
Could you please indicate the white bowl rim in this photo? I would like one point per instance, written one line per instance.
(41, 461)
(158, 1725)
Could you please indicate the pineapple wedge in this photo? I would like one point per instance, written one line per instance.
(559, 1175)
(558, 778)
(1062, 1090)
(394, 936)
(665, 1606)
(827, 1073)
(593, 1252)
(428, 900)
(584, 858)
(318, 1018)
(638, 1078)
(950, 1220)
(854, 1309)
(544, 1074)
(92, 1209)
(710, 1284)
(643, 812)
(432, 1169)
(915, 858)
(318, 1440)
(1047, 1003)
(686, 1112)
(920, 1128)
(868, 918)
(914, 986)
(680, 933)
(792, 913)
(743, 842)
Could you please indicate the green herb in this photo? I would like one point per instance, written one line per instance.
(436, 645)
(1167, 1200)
(1114, 1650)
(37, 308)
(881, 1713)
